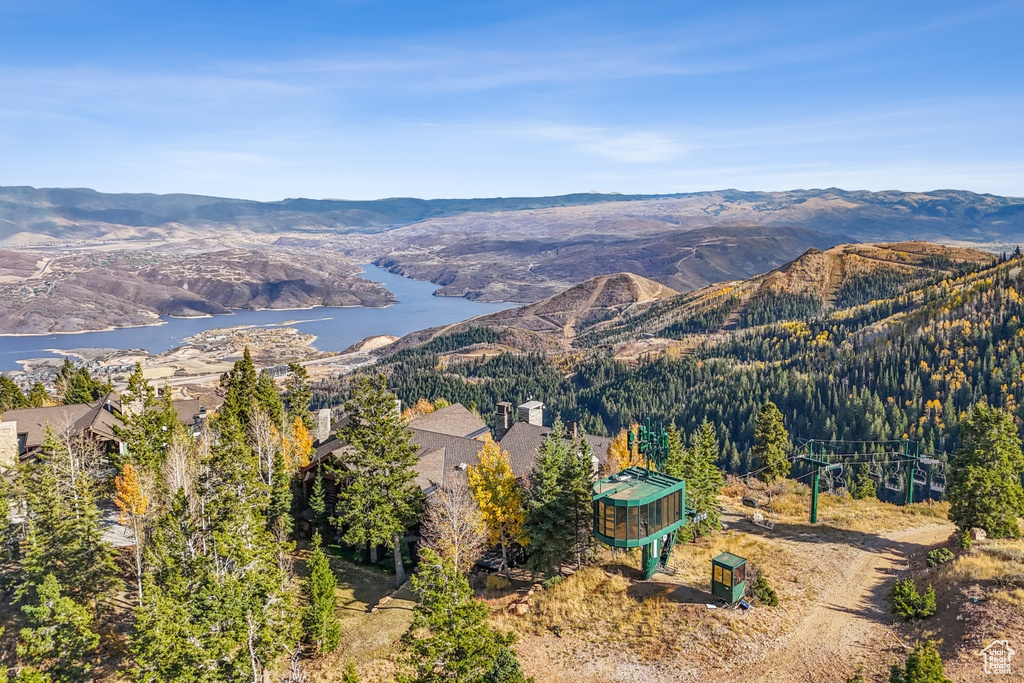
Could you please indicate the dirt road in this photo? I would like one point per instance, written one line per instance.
(850, 625)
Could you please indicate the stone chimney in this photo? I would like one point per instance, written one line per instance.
(532, 412)
(572, 428)
(323, 425)
(9, 456)
(503, 420)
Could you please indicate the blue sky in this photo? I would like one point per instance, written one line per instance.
(361, 99)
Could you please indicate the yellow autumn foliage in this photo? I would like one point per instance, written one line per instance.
(495, 489)
(619, 455)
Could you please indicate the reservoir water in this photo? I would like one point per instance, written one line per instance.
(335, 328)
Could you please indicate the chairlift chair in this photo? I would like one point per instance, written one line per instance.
(764, 517)
(841, 485)
(875, 471)
(920, 476)
(764, 514)
(750, 498)
(938, 483)
(894, 482)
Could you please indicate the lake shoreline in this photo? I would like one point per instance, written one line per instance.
(337, 327)
(162, 321)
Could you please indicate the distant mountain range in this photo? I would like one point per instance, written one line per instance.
(521, 249)
(949, 214)
(84, 213)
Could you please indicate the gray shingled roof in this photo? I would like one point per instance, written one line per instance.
(430, 470)
(524, 440)
(454, 420)
(33, 421)
(457, 451)
(187, 409)
(439, 457)
(82, 416)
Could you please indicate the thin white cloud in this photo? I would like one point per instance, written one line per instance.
(637, 148)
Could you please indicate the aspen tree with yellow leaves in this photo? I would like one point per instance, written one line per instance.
(619, 455)
(419, 409)
(132, 503)
(297, 446)
(496, 491)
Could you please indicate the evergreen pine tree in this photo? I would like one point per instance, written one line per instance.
(984, 485)
(771, 447)
(58, 641)
(924, 665)
(864, 487)
(8, 533)
(148, 421)
(704, 480)
(38, 398)
(318, 501)
(376, 504)
(298, 395)
(77, 385)
(64, 534)
(675, 464)
(319, 619)
(577, 492)
(269, 400)
(450, 639)
(350, 675)
(220, 601)
(239, 384)
(11, 396)
(279, 517)
(549, 522)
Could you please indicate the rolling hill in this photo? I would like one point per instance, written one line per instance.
(627, 309)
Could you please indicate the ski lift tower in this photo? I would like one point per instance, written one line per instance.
(818, 464)
(642, 506)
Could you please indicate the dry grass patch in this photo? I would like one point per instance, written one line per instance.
(791, 501)
(1013, 598)
(370, 639)
(595, 603)
(999, 561)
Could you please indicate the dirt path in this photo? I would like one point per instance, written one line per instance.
(850, 624)
(42, 270)
(569, 330)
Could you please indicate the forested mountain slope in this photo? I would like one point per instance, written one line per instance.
(901, 365)
(843, 276)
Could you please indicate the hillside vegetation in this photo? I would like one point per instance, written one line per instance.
(906, 365)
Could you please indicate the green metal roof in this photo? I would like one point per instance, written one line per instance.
(729, 560)
(636, 485)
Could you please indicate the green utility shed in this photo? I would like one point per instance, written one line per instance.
(729, 577)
